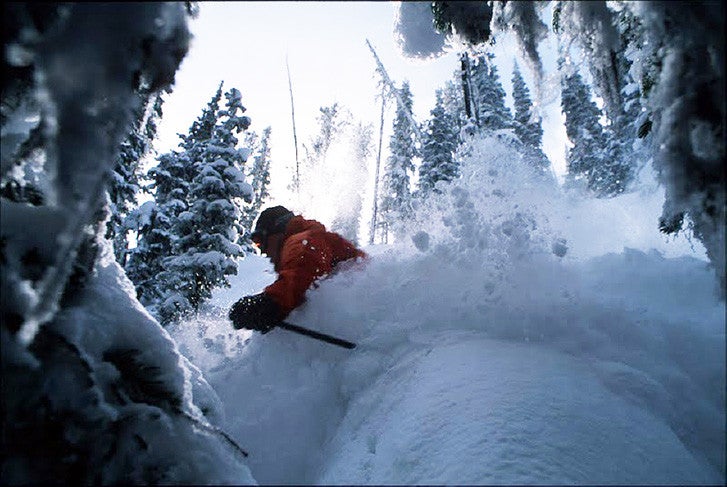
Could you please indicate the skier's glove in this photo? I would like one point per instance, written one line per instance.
(259, 312)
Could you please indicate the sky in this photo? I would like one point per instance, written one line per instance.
(246, 44)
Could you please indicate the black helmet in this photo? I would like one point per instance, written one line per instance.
(271, 220)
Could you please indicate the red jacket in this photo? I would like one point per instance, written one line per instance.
(308, 252)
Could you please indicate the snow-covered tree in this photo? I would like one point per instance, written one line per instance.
(203, 128)
(585, 133)
(396, 192)
(591, 158)
(470, 20)
(489, 95)
(206, 233)
(528, 125)
(126, 177)
(169, 185)
(259, 176)
(437, 153)
(453, 102)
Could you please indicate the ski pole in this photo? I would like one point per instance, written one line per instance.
(317, 335)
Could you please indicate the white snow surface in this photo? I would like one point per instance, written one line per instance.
(474, 366)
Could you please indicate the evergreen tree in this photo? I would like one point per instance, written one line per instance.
(396, 195)
(453, 103)
(490, 95)
(125, 182)
(528, 128)
(153, 223)
(583, 130)
(440, 142)
(170, 185)
(205, 247)
(204, 126)
(260, 179)
(597, 155)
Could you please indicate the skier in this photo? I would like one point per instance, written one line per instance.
(302, 251)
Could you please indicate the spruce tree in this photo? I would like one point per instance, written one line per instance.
(598, 155)
(153, 223)
(528, 128)
(206, 233)
(490, 95)
(396, 195)
(583, 129)
(170, 186)
(125, 182)
(260, 180)
(440, 142)
(453, 104)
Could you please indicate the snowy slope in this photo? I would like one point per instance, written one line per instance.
(482, 358)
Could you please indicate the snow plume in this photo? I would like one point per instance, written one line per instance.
(415, 31)
(335, 174)
(501, 206)
(677, 57)
(99, 393)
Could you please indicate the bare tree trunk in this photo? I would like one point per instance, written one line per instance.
(295, 135)
(395, 91)
(466, 86)
(467, 89)
(378, 168)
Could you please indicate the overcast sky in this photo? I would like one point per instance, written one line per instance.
(246, 45)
